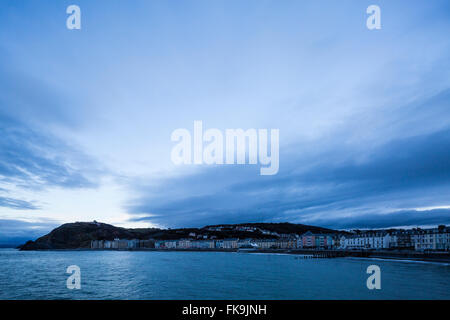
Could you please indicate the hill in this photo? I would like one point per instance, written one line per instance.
(79, 234)
(280, 228)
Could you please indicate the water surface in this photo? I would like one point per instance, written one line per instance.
(212, 275)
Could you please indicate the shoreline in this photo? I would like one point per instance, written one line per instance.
(438, 257)
(436, 262)
(385, 255)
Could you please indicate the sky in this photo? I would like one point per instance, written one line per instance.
(86, 115)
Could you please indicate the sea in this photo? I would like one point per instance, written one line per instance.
(212, 275)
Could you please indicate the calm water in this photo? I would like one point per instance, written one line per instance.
(212, 275)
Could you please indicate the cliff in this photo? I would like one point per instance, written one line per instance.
(79, 235)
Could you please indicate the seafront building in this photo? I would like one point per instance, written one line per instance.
(402, 240)
(266, 243)
(230, 243)
(311, 240)
(371, 240)
(414, 239)
(437, 239)
(432, 239)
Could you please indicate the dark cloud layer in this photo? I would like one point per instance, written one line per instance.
(358, 182)
(400, 218)
(16, 204)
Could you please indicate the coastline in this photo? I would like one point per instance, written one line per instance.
(438, 257)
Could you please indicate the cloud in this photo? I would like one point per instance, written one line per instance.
(331, 179)
(35, 159)
(16, 231)
(23, 96)
(363, 116)
(401, 218)
(31, 157)
(17, 204)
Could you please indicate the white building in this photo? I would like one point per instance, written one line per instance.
(367, 240)
(432, 239)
